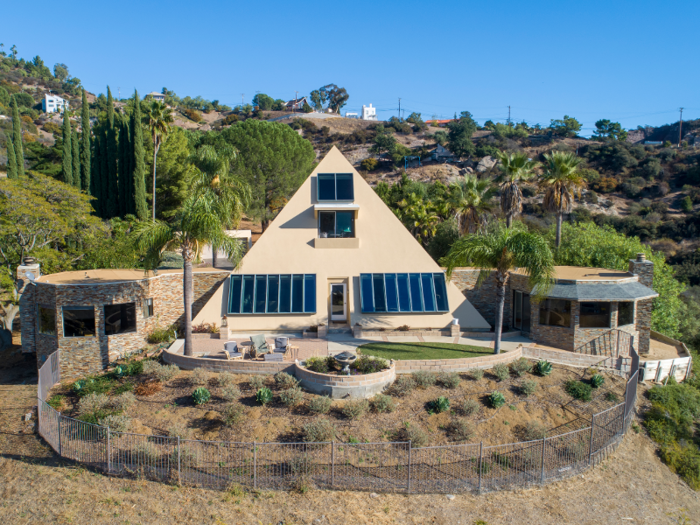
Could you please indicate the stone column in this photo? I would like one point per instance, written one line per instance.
(644, 270)
(27, 303)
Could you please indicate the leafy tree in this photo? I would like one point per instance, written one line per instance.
(515, 168)
(273, 160)
(263, 101)
(24, 100)
(440, 137)
(175, 174)
(60, 71)
(202, 220)
(587, 244)
(139, 174)
(687, 204)
(331, 93)
(561, 181)
(566, 127)
(306, 108)
(17, 138)
(159, 121)
(419, 216)
(318, 99)
(604, 129)
(471, 200)
(383, 141)
(459, 135)
(498, 251)
(126, 169)
(11, 159)
(75, 158)
(85, 144)
(67, 173)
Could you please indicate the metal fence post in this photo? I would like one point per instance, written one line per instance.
(409, 466)
(109, 454)
(255, 465)
(590, 448)
(544, 444)
(332, 463)
(481, 460)
(179, 475)
(60, 441)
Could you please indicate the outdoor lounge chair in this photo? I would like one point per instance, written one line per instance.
(231, 350)
(281, 345)
(258, 345)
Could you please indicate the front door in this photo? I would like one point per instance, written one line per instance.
(338, 303)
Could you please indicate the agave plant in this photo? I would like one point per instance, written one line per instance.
(597, 380)
(263, 396)
(200, 396)
(544, 368)
(497, 399)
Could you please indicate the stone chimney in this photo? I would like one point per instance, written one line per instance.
(29, 265)
(643, 268)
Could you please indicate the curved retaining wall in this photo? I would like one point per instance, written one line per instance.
(337, 387)
(236, 366)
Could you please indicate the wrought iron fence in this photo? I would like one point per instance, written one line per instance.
(385, 467)
(613, 344)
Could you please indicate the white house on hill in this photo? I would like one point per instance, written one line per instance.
(53, 103)
(156, 96)
(369, 113)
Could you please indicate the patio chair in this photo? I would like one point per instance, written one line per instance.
(258, 345)
(231, 350)
(281, 345)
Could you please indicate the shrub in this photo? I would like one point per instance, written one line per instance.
(534, 430)
(449, 380)
(369, 365)
(611, 397)
(368, 164)
(192, 114)
(149, 367)
(148, 388)
(424, 379)
(543, 368)
(145, 453)
(201, 395)
(413, 433)
(166, 373)
(162, 335)
(597, 380)
(230, 392)
(92, 404)
(225, 379)
(355, 409)
(285, 381)
(687, 204)
(461, 430)
(57, 402)
(257, 382)
(383, 403)
(117, 423)
(404, 328)
(179, 430)
(124, 387)
(317, 364)
(578, 390)
(439, 405)
(477, 374)
(263, 396)
(291, 396)
(233, 414)
(321, 430)
(199, 377)
(497, 399)
(404, 384)
(94, 385)
(528, 387)
(205, 328)
(470, 407)
(123, 401)
(501, 371)
(320, 404)
(684, 460)
(521, 366)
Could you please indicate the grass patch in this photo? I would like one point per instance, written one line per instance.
(405, 351)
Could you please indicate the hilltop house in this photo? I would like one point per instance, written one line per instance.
(369, 112)
(160, 97)
(296, 105)
(53, 103)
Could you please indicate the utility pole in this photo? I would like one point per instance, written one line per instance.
(399, 108)
(119, 92)
(296, 100)
(509, 115)
(680, 129)
(242, 95)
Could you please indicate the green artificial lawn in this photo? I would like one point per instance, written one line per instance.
(418, 351)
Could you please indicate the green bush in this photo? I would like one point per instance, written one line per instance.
(470, 407)
(263, 396)
(285, 381)
(578, 390)
(497, 399)
(124, 387)
(320, 404)
(597, 381)
(94, 385)
(439, 405)
(56, 402)
(355, 409)
(528, 387)
(201, 395)
(403, 385)
(233, 414)
(413, 433)
(543, 368)
(382, 403)
(501, 371)
(461, 430)
(423, 378)
(687, 204)
(477, 374)
(369, 164)
(521, 366)
(684, 460)
(317, 364)
(369, 365)
(449, 380)
(321, 430)
(162, 335)
(611, 397)
(291, 396)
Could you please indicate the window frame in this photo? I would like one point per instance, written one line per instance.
(148, 308)
(122, 307)
(335, 188)
(303, 279)
(335, 224)
(547, 301)
(78, 308)
(397, 281)
(595, 303)
(634, 312)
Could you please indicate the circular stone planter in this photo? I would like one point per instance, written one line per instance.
(339, 387)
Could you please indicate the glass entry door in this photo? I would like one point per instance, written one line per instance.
(338, 303)
(521, 311)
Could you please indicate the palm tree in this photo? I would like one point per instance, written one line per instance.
(515, 169)
(499, 250)
(202, 220)
(562, 182)
(470, 199)
(159, 120)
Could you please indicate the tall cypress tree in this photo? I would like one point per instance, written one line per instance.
(85, 145)
(140, 206)
(104, 176)
(17, 138)
(124, 168)
(112, 183)
(67, 150)
(95, 178)
(11, 159)
(75, 144)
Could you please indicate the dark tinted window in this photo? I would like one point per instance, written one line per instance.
(367, 292)
(297, 293)
(345, 224)
(248, 289)
(273, 288)
(234, 305)
(326, 224)
(343, 187)
(78, 321)
(440, 292)
(309, 293)
(594, 315)
(404, 293)
(335, 186)
(120, 318)
(392, 300)
(625, 313)
(326, 186)
(260, 293)
(285, 294)
(428, 292)
(415, 292)
(555, 312)
(379, 302)
(47, 321)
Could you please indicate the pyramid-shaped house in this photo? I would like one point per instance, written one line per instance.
(336, 255)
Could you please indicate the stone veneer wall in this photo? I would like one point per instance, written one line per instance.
(645, 271)
(483, 297)
(338, 387)
(87, 355)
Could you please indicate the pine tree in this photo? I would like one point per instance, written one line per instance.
(112, 182)
(85, 145)
(17, 138)
(67, 150)
(11, 159)
(140, 206)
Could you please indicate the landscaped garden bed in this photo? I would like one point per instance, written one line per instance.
(502, 405)
(422, 351)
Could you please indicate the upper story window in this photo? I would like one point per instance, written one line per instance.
(335, 187)
(336, 224)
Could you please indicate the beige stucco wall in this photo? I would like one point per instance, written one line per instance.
(385, 246)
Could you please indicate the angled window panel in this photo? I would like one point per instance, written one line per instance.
(273, 290)
(428, 292)
(379, 298)
(297, 293)
(440, 292)
(326, 186)
(260, 293)
(404, 292)
(366, 292)
(310, 293)
(285, 306)
(234, 300)
(248, 294)
(343, 187)
(392, 299)
(416, 292)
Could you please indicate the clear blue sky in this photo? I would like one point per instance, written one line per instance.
(630, 61)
